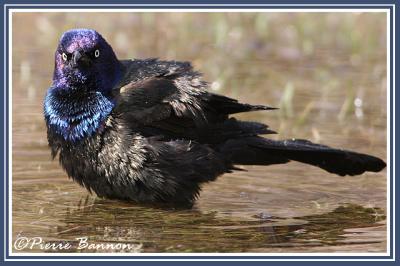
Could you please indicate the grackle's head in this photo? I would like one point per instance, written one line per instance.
(84, 59)
(79, 100)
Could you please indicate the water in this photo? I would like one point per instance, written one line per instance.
(328, 78)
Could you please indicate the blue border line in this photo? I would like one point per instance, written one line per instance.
(290, 259)
(225, 3)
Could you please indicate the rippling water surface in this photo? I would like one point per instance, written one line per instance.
(326, 72)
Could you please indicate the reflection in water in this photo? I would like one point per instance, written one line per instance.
(161, 230)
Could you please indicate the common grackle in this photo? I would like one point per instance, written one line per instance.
(148, 131)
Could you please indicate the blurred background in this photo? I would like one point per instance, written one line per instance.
(325, 71)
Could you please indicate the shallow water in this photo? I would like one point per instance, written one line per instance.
(326, 77)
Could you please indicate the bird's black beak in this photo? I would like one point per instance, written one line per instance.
(79, 58)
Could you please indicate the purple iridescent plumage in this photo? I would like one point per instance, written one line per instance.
(104, 73)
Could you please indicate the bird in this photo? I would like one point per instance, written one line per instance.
(148, 131)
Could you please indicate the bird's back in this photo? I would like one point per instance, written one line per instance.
(169, 99)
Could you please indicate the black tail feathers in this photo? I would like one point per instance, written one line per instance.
(261, 151)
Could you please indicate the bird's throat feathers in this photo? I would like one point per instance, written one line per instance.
(74, 115)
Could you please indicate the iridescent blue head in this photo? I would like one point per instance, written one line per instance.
(79, 100)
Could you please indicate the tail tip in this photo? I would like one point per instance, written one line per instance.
(379, 165)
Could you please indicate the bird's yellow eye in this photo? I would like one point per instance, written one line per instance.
(97, 53)
(64, 56)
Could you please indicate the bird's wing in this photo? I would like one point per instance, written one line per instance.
(175, 100)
